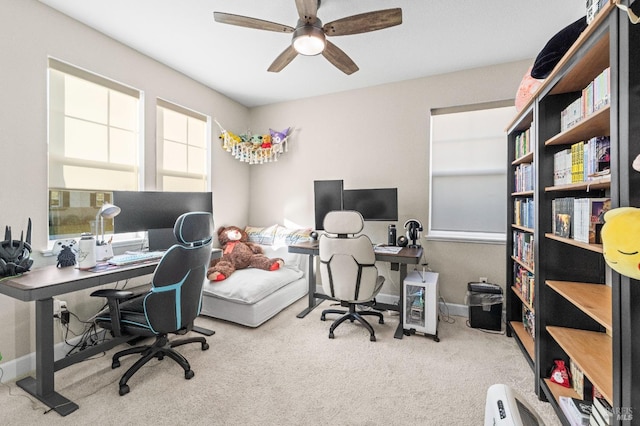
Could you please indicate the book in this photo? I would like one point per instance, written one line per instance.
(562, 209)
(603, 410)
(577, 411)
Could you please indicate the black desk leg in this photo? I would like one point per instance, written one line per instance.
(313, 302)
(43, 385)
(400, 329)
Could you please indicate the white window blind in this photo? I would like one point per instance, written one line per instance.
(183, 148)
(468, 172)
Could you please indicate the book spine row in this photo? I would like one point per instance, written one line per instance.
(523, 211)
(529, 322)
(524, 281)
(583, 161)
(524, 177)
(523, 248)
(594, 97)
(579, 218)
(523, 143)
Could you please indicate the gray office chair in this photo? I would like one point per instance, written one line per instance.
(347, 268)
(172, 303)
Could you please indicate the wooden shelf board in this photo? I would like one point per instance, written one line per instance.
(519, 262)
(523, 228)
(522, 298)
(603, 182)
(525, 338)
(593, 299)
(596, 124)
(592, 352)
(527, 158)
(559, 390)
(591, 247)
(522, 194)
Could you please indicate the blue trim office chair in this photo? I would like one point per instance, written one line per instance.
(172, 303)
(347, 268)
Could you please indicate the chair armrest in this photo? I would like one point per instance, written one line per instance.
(112, 293)
(114, 297)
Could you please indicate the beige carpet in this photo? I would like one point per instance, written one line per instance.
(288, 372)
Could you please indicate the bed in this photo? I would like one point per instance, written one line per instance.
(252, 296)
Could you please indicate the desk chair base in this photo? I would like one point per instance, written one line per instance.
(352, 315)
(161, 347)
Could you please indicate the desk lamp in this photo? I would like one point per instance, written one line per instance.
(107, 211)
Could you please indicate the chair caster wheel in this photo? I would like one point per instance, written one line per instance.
(436, 339)
(124, 389)
(331, 336)
(205, 346)
(115, 364)
(160, 356)
(322, 318)
(189, 374)
(372, 338)
(381, 321)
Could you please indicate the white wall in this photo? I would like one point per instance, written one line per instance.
(29, 33)
(379, 137)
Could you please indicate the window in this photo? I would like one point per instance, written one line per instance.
(94, 146)
(468, 172)
(183, 150)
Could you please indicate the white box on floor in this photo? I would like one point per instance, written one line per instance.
(420, 305)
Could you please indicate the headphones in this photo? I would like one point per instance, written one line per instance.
(413, 227)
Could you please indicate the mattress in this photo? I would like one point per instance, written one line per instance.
(252, 296)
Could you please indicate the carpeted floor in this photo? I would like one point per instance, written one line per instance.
(288, 372)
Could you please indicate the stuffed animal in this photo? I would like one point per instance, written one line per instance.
(621, 241)
(239, 253)
(279, 137)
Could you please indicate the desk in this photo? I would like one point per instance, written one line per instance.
(399, 262)
(41, 285)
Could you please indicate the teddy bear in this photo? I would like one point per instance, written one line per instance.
(239, 253)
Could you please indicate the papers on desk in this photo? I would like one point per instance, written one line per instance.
(387, 249)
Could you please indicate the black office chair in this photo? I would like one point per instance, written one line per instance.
(172, 303)
(347, 268)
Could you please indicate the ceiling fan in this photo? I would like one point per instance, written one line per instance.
(310, 36)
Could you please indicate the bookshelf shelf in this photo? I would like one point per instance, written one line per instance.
(597, 183)
(522, 298)
(522, 228)
(597, 124)
(591, 351)
(522, 194)
(558, 390)
(591, 247)
(593, 299)
(525, 338)
(521, 263)
(528, 158)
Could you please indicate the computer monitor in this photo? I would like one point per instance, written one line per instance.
(327, 197)
(144, 210)
(373, 204)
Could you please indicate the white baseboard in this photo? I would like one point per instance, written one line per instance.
(26, 365)
(446, 308)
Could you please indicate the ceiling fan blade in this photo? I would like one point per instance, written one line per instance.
(364, 22)
(340, 59)
(307, 10)
(245, 21)
(283, 59)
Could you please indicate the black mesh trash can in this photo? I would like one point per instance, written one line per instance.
(485, 305)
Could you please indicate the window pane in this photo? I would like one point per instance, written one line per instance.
(197, 131)
(122, 147)
(175, 157)
(86, 100)
(197, 160)
(85, 140)
(175, 126)
(123, 111)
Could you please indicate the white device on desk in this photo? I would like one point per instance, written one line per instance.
(420, 304)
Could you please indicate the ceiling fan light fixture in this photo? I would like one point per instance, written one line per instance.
(309, 40)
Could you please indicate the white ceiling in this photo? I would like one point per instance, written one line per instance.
(436, 36)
